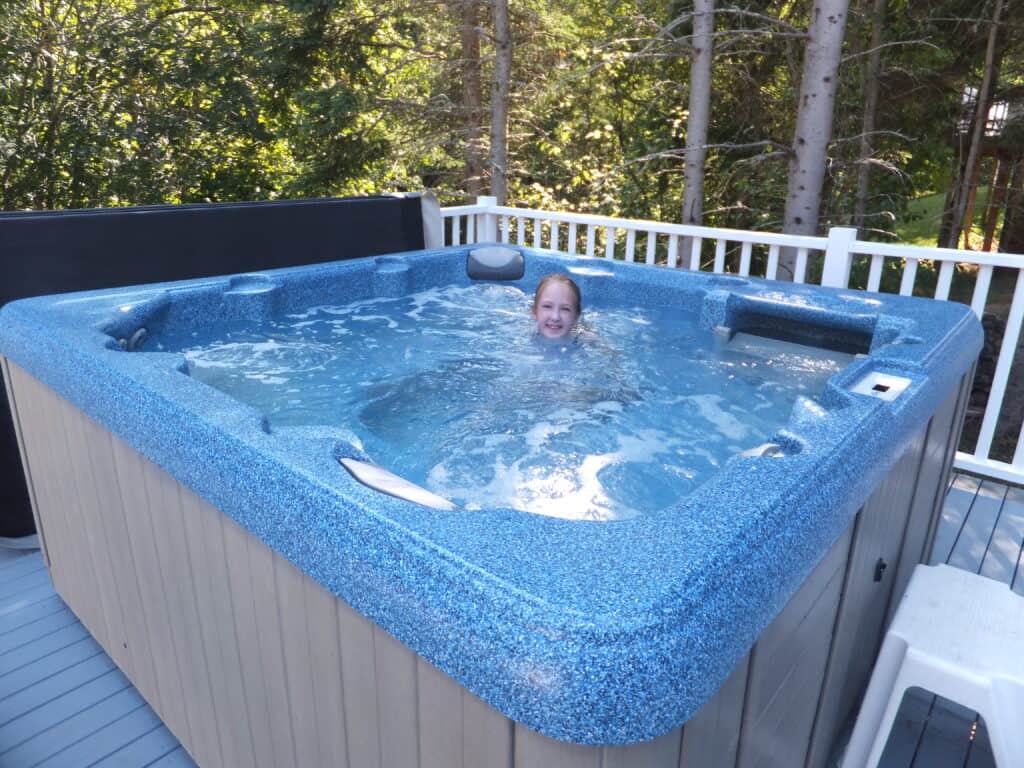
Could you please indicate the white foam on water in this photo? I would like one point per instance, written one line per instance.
(711, 409)
(374, 318)
(450, 389)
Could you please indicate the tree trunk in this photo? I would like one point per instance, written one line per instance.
(972, 195)
(472, 97)
(1011, 238)
(871, 74)
(699, 111)
(977, 131)
(818, 85)
(996, 198)
(499, 101)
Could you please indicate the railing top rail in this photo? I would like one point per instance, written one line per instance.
(462, 210)
(918, 252)
(645, 225)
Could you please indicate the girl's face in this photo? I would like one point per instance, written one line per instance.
(555, 311)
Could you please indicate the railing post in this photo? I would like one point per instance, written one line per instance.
(838, 257)
(487, 222)
(433, 224)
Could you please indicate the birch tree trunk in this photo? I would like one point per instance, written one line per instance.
(818, 85)
(698, 116)
(963, 194)
(499, 101)
(472, 96)
(871, 74)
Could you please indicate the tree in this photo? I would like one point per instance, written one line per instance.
(472, 96)
(967, 182)
(872, 72)
(813, 131)
(499, 101)
(698, 114)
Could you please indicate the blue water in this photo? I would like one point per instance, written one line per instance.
(450, 389)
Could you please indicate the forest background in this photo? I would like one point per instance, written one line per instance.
(590, 105)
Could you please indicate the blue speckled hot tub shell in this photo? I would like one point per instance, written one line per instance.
(596, 633)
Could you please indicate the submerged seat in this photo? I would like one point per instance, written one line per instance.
(958, 635)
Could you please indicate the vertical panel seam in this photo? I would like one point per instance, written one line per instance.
(222, 521)
(131, 552)
(341, 682)
(278, 562)
(102, 514)
(249, 543)
(60, 410)
(377, 696)
(199, 615)
(304, 582)
(258, 701)
(146, 473)
(830, 660)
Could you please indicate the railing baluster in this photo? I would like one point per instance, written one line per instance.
(521, 230)
(1018, 453)
(1002, 374)
(981, 286)
(875, 273)
(945, 280)
(591, 239)
(553, 236)
(456, 230)
(571, 245)
(695, 245)
(504, 229)
(719, 267)
(630, 245)
(909, 275)
(609, 242)
(745, 259)
(652, 244)
(470, 229)
(772, 270)
(673, 251)
(538, 229)
(800, 271)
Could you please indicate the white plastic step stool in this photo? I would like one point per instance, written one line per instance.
(958, 635)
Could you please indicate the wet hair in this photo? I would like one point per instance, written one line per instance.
(565, 280)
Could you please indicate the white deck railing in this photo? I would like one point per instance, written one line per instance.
(838, 260)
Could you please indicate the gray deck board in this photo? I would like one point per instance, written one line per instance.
(64, 703)
(982, 530)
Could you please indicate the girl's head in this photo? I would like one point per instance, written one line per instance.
(556, 306)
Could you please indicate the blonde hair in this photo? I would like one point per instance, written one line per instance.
(557, 277)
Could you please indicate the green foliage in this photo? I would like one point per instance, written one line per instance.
(114, 102)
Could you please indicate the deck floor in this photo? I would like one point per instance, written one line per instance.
(64, 703)
(982, 530)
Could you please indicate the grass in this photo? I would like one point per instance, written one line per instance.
(920, 224)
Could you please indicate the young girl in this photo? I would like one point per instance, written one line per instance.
(556, 306)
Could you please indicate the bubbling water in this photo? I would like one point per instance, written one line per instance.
(452, 389)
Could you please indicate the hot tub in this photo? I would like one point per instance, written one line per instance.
(276, 611)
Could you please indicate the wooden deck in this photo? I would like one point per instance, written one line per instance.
(64, 703)
(62, 700)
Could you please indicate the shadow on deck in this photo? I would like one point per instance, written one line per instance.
(64, 703)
